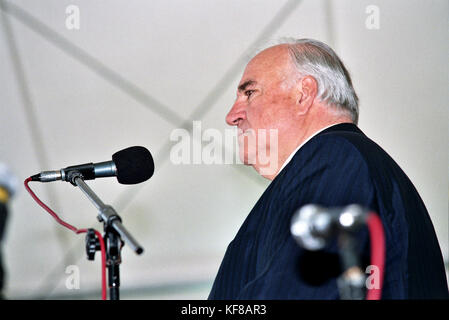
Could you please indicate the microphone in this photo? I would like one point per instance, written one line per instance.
(131, 166)
(312, 226)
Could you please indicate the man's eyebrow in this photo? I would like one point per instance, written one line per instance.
(245, 84)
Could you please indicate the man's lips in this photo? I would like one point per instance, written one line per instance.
(243, 132)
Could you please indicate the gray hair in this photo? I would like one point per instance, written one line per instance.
(318, 60)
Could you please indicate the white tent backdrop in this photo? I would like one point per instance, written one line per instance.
(134, 71)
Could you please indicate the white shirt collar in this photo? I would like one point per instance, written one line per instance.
(300, 146)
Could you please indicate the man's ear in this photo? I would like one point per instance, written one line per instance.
(308, 89)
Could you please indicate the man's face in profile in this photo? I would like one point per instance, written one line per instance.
(264, 105)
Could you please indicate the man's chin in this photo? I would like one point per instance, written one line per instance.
(268, 170)
(248, 160)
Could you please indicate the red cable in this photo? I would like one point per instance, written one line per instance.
(377, 239)
(77, 231)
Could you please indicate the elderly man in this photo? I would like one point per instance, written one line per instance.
(302, 92)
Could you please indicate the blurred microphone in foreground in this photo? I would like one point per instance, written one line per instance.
(313, 227)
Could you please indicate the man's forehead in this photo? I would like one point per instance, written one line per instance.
(268, 63)
(277, 54)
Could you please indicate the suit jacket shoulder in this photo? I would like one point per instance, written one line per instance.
(415, 260)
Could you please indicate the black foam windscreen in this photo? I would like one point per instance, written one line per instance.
(134, 165)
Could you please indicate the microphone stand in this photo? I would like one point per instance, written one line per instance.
(114, 232)
(351, 282)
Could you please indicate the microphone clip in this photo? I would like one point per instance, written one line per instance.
(92, 244)
(72, 175)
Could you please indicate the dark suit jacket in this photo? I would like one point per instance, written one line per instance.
(337, 167)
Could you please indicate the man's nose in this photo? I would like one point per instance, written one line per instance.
(236, 113)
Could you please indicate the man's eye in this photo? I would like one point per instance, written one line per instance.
(248, 93)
